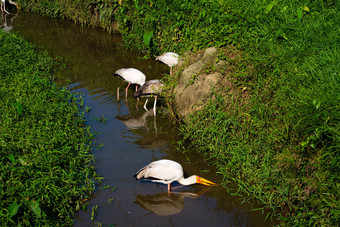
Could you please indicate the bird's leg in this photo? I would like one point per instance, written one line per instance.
(118, 93)
(155, 125)
(170, 71)
(5, 8)
(126, 90)
(145, 105)
(169, 188)
(154, 106)
(136, 90)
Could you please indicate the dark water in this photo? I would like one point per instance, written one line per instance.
(131, 137)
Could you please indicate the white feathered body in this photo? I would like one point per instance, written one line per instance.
(162, 171)
(168, 58)
(131, 75)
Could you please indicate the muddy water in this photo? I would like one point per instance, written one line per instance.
(131, 137)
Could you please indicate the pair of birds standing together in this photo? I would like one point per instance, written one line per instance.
(147, 88)
(161, 171)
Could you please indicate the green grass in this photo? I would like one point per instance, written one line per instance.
(282, 147)
(282, 144)
(97, 13)
(45, 162)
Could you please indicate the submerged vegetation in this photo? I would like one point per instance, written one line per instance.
(45, 163)
(283, 145)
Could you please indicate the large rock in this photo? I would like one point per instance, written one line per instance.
(195, 85)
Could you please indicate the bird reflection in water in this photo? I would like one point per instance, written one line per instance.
(165, 204)
(137, 122)
(8, 20)
(134, 122)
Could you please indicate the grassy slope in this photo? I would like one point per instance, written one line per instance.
(283, 146)
(45, 165)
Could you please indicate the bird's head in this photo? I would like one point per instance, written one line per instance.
(201, 180)
(16, 5)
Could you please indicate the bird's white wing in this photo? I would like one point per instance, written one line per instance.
(163, 171)
(132, 75)
(169, 58)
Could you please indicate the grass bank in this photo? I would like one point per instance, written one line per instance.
(283, 146)
(45, 163)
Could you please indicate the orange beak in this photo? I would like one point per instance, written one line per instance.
(201, 180)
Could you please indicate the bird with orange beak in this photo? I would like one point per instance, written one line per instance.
(167, 171)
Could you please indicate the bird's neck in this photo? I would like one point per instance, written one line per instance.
(187, 181)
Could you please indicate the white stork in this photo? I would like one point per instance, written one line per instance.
(132, 76)
(167, 171)
(169, 58)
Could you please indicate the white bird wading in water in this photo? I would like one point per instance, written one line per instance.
(167, 171)
(3, 5)
(151, 87)
(169, 58)
(132, 76)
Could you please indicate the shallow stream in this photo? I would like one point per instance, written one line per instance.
(132, 138)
